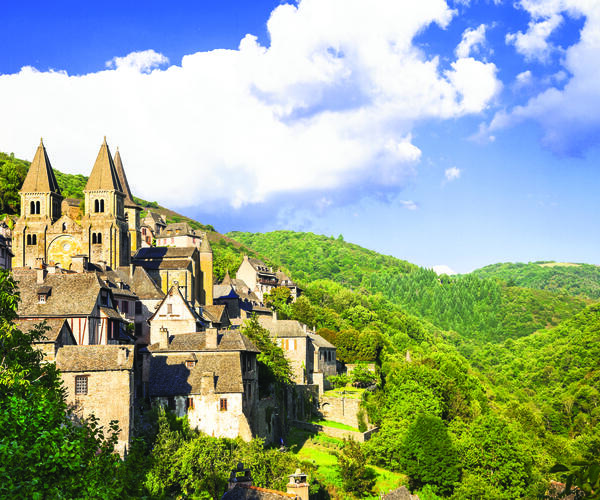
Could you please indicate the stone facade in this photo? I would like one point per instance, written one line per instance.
(99, 381)
(44, 232)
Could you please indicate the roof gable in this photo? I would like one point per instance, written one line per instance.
(174, 296)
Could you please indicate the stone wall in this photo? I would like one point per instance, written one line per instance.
(361, 437)
(339, 409)
(110, 396)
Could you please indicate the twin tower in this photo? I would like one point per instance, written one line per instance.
(106, 229)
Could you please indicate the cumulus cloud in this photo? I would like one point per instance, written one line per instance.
(472, 41)
(533, 44)
(452, 173)
(569, 115)
(523, 79)
(142, 62)
(409, 204)
(327, 106)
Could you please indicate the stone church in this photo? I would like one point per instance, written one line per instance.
(107, 231)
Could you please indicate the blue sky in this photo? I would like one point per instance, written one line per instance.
(457, 133)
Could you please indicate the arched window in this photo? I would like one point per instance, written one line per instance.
(96, 238)
(99, 238)
(64, 227)
(101, 205)
(31, 239)
(37, 207)
(32, 208)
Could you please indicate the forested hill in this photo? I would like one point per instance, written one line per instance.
(479, 308)
(575, 279)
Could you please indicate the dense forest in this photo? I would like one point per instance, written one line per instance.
(483, 382)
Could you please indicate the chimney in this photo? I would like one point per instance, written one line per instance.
(41, 275)
(131, 270)
(304, 327)
(239, 476)
(39, 263)
(122, 356)
(211, 338)
(163, 342)
(298, 485)
(207, 384)
(102, 264)
(79, 263)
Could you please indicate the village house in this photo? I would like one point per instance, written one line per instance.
(58, 334)
(240, 487)
(261, 279)
(209, 376)
(99, 380)
(83, 299)
(6, 254)
(150, 226)
(179, 234)
(239, 300)
(189, 267)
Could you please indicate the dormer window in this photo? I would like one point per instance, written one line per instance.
(190, 364)
(43, 293)
(41, 298)
(104, 298)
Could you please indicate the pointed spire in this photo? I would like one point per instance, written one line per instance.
(104, 174)
(226, 279)
(205, 244)
(40, 178)
(123, 180)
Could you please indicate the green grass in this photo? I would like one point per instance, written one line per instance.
(337, 425)
(347, 392)
(320, 450)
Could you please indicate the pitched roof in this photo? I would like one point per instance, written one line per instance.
(123, 180)
(88, 358)
(214, 312)
(282, 327)
(260, 266)
(104, 174)
(151, 253)
(70, 295)
(51, 335)
(227, 340)
(183, 228)
(320, 341)
(157, 218)
(172, 290)
(169, 375)
(223, 291)
(40, 178)
(141, 283)
(226, 279)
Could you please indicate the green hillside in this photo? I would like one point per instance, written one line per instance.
(582, 280)
(477, 307)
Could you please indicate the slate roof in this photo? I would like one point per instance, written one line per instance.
(282, 328)
(223, 291)
(40, 177)
(55, 324)
(104, 175)
(169, 375)
(320, 341)
(244, 492)
(87, 358)
(112, 278)
(172, 290)
(227, 340)
(157, 218)
(70, 295)
(73, 202)
(164, 264)
(148, 253)
(123, 180)
(260, 266)
(214, 312)
(183, 228)
(141, 283)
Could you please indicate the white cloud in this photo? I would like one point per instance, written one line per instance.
(452, 173)
(533, 44)
(443, 269)
(409, 204)
(142, 62)
(569, 115)
(523, 79)
(328, 106)
(472, 41)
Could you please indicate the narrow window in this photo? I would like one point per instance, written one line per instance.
(223, 404)
(42, 298)
(34, 239)
(138, 307)
(37, 207)
(169, 308)
(101, 205)
(126, 307)
(32, 208)
(64, 227)
(190, 364)
(29, 239)
(81, 384)
(94, 239)
(99, 238)
(96, 206)
(190, 403)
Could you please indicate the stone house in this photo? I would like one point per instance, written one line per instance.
(211, 377)
(83, 299)
(183, 266)
(175, 314)
(103, 234)
(179, 234)
(324, 362)
(6, 254)
(259, 278)
(58, 335)
(150, 226)
(99, 380)
(287, 282)
(215, 315)
(239, 300)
